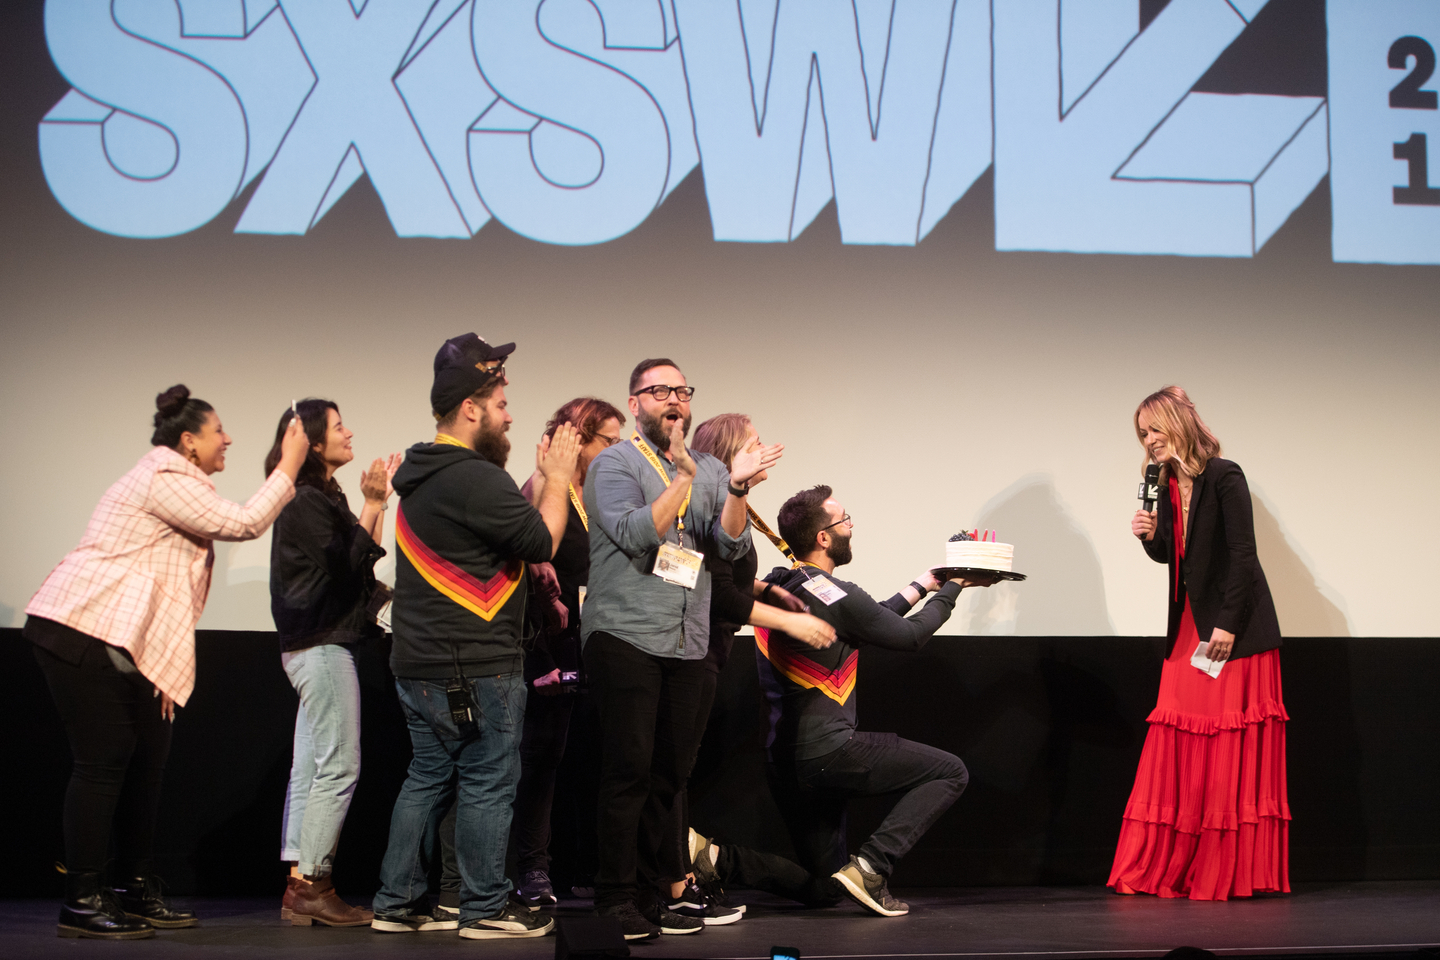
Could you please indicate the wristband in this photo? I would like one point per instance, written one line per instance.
(765, 594)
(919, 589)
(739, 491)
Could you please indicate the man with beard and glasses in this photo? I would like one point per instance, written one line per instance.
(465, 534)
(819, 761)
(655, 509)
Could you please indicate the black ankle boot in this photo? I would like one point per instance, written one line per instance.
(93, 912)
(143, 899)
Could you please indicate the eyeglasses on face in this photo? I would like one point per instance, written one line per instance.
(662, 392)
(845, 519)
(609, 441)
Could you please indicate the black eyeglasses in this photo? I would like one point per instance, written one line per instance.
(844, 519)
(662, 392)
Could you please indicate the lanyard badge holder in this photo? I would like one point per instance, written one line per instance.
(673, 564)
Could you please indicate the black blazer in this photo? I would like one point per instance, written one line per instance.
(1220, 573)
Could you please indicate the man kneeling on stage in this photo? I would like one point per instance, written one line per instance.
(818, 759)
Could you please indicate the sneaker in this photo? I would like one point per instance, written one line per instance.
(535, 892)
(508, 924)
(446, 912)
(869, 890)
(671, 922)
(693, 903)
(583, 892)
(633, 924)
(700, 858)
(715, 894)
(410, 922)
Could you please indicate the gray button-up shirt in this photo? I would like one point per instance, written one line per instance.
(624, 597)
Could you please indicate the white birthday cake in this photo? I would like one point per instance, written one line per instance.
(963, 550)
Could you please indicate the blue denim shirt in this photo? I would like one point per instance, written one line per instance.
(624, 597)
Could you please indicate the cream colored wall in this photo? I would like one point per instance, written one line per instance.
(935, 388)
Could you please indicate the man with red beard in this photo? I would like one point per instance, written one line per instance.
(465, 534)
(655, 509)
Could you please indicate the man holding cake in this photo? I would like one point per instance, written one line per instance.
(819, 760)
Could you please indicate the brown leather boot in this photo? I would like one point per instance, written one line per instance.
(317, 902)
(287, 902)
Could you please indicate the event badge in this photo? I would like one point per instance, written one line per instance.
(678, 565)
(824, 590)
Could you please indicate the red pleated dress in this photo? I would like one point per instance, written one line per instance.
(1209, 817)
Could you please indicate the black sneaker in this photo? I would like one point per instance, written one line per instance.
(633, 924)
(535, 891)
(869, 890)
(508, 924)
(669, 921)
(412, 921)
(692, 902)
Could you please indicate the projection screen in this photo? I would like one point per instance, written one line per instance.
(939, 248)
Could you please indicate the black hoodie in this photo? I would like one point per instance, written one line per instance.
(464, 533)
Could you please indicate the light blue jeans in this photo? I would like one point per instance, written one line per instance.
(326, 764)
(486, 757)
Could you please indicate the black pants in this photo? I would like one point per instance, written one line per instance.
(812, 796)
(650, 725)
(119, 742)
(542, 746)
(674, 856)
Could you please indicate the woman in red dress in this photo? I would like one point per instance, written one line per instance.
(1208, 817)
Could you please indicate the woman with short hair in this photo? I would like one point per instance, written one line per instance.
(1208, 817)
(113, 629)
(322, 582)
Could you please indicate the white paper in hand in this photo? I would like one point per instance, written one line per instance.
(1198, 660)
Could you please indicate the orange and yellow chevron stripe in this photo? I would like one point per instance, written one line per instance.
(482, 599)
(836, 684)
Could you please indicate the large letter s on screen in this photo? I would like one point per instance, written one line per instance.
(151, 142)
(585, 98)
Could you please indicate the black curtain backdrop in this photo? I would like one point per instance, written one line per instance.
(1051, 730)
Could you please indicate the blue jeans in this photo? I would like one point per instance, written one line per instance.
(486, 758)
(326, 761)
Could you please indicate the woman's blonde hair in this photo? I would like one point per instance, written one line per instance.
(1171, 411)
(722, 437)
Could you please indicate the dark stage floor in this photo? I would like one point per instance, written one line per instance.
(1033, 922)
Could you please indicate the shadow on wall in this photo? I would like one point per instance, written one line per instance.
(1064, 595)
(1302, 606)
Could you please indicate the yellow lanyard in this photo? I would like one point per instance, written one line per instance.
(446, 438)
(649, 454)
(580, 508)
(773, 537)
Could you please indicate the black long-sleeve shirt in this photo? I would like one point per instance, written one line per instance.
(732, 598)
(812, 692)
(321, 572)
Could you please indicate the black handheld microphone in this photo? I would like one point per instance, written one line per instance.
(1150, 489)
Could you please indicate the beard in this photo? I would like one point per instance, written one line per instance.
(839, 551)
(657, 429)
(492, 444)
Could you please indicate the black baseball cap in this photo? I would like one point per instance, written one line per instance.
(460, 370)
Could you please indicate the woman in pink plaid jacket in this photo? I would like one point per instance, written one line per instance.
(113, 629)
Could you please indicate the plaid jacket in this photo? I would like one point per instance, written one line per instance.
(140, 576)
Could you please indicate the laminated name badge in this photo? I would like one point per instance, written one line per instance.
(678, 565)
(824, 589)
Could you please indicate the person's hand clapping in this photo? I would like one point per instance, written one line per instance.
(1143, 524)
(557, 455)
(392, 463)
(293, 448)
(684, 463)
(374, 483)
(753, 460)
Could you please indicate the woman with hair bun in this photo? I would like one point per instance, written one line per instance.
(1208, 817)
(322, 582)
(113, 629)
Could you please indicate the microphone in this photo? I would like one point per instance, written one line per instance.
(1150, 489)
